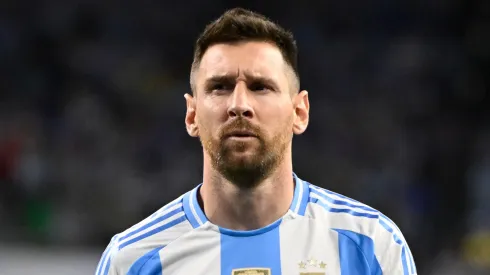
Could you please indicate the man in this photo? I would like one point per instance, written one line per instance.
(252, 214)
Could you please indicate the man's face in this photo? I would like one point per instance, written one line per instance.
(244, 111)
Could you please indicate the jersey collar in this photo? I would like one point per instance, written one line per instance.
(196, 216)
(301, 196)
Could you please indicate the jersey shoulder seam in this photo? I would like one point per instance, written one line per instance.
(157, 214)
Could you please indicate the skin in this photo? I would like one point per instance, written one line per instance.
(247, 181)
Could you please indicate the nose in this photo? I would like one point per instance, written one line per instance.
(240, 102)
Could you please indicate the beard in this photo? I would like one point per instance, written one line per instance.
(245, 163)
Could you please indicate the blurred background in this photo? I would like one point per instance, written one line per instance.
(92, 135)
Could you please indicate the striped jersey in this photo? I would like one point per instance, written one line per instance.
(322, 233)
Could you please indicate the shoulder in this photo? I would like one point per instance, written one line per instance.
(148, 236)
(361, 224)
(343, 212)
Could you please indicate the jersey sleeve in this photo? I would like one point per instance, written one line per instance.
(391, 249)
(107, 264)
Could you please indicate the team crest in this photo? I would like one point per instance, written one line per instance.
(312, 267)
(251, 271)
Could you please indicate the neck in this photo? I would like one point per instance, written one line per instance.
(229, 206)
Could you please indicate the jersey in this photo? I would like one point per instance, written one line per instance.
(322, 233)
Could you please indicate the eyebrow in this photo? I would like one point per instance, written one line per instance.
(231, 78)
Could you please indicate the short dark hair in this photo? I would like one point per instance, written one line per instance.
(240, 25)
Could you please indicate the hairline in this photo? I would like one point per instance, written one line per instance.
(291, 74)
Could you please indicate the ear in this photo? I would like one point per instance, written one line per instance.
(301, 112)
(190, 116)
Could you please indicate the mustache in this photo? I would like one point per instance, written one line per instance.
(239, 124)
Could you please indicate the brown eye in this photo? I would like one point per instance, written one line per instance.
(217, 87)
(259, 87)
(220, 87)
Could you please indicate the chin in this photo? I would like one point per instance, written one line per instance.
(244, 174)
(241, 160)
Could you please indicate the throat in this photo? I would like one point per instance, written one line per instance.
(232, 208)
(248, 212)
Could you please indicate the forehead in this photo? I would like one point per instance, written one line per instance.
(255, 58)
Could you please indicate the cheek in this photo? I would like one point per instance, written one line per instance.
(277, 115)
(209, 118)
(204, 124)
(276, 126)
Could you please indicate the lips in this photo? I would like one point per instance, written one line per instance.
(241, 133)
